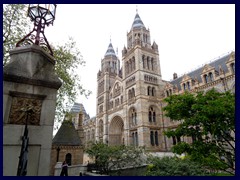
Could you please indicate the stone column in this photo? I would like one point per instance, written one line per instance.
(29, 81)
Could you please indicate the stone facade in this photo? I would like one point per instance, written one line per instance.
(218, 74)
(130, 98)
(30, 85)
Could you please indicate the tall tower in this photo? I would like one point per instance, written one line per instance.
(110, 66)
(143, 84)
(128, 98)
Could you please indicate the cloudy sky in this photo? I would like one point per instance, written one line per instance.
(188, 36)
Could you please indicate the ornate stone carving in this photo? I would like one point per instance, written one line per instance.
(21, 106)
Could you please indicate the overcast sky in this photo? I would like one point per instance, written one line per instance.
(188, 36)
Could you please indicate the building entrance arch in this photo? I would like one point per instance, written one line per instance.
(116, 134)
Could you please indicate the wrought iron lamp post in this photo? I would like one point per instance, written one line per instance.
(41, 15)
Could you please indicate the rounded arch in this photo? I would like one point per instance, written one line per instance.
(153, 113)
(132, 116)
(116, 130)
(68, 159)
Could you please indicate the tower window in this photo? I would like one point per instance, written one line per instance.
(143, 61)
(149, 91)
(152, 138)
(151, 115)
(156, 138)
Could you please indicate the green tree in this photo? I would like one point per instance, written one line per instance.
(68, 57)
(15, 26)
(108, 158)
(209, 118)
(173, 166)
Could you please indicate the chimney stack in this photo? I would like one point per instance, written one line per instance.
(175, 76)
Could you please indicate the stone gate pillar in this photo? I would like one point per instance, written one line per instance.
(29, 81)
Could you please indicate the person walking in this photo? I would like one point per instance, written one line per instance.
(64, 171)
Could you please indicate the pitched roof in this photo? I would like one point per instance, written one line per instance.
(197, 73)
(67, 135)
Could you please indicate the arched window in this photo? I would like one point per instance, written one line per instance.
(170, 92)
(205, 78)
(127, 68)
(133, 63)
(143, 61)
(152, 138)
(156, 138)
(133, 92)
(184, 86)
(150, 116)
(210, 77)
(130, 65)
(154, 116)
(148, 63)
(68, 159)
(135, 118)
(149, 91)
(136, 138)
(153, 91)
(188, 85)
(152, 63)
(129, 94)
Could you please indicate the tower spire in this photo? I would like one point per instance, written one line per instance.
(136, 9)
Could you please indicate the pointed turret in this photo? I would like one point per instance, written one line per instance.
(137, 23)
(110, 51)
(110, 62)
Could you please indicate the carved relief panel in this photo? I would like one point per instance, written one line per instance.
(25, 106)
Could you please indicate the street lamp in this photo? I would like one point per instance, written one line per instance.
(41, 15)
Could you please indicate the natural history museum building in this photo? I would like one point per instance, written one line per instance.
(130, 98)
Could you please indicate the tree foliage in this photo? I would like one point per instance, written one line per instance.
(173, 166)
(15, 26)
(68, 57)
(108, 158)
(68, 60)
(209, 118)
